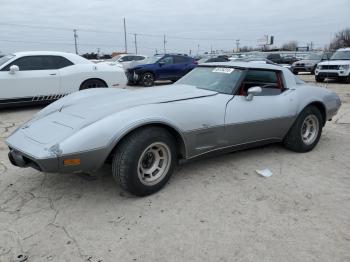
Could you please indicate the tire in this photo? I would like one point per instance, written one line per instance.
(92, 83)
(147, 79)
(306, 131)
(136, 157)
(319, 79)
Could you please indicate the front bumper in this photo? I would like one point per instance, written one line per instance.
(25, 152)
(302, 68)
(332, 73)
(132, 76)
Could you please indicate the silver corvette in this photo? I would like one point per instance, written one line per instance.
(143, 133)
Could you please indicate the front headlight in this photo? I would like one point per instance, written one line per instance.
(344, 67)
(318, 67)
(308, 64)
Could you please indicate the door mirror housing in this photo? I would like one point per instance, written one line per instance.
(161, 63)
(13, 69)
(253, 91)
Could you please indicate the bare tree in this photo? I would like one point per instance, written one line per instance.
(290, 46)
(341, 39)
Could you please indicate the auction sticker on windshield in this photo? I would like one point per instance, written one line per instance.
(224, 70)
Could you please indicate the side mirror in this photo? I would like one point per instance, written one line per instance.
(253, 91)
(13, 69)
(161, 63)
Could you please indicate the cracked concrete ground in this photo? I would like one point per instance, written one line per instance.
(217, 209)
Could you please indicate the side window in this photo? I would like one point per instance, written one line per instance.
(60, 62)
(138, 58)
(168, 60)
(270, 82)
(26, 63)
(31, 63)
(180, 60)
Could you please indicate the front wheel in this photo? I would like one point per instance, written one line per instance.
(147, 79)
(306, 131)
(144, 161)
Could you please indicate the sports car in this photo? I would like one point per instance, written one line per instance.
(217, 107)
(42, 77)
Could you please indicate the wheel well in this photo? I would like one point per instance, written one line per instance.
(322, 109)
(180, 144)
(104, 82)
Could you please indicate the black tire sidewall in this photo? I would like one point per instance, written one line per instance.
(143, 80)
(294, 136)
(134, 150)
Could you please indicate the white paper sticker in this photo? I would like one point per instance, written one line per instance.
(225, 70)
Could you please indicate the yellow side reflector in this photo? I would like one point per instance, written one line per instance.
(71, 162)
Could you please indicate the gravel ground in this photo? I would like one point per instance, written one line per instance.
(216, 209)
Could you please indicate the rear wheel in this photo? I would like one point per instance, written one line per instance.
(319, 79)
(147, 79)
(92, 83)
(306, 131)
(144, 161)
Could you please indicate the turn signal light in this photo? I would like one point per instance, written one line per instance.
(71, 162)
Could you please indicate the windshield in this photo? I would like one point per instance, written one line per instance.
(152, 59)
(219, 79)
(313, 57)
(341, 55)
(115, 58)
(5, 58)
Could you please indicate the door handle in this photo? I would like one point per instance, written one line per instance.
(53, 74)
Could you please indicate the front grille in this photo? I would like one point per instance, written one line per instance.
(330, 67)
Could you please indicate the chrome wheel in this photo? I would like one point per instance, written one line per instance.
(154, 163)
(148, 79)
(310, 129)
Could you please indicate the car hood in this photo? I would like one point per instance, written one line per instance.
(335, 62)
(76, 111)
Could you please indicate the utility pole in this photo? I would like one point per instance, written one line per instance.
(125, 41)
(197, 49)
(98, 53)
(75, 40)
(211, 49)
(156, 51)
(311, 46)
(135, 36)
(237, 44)
(164, 42)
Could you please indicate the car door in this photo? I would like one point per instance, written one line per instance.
(36, 79)
(165, 68)
(181, 66)
(268, 116)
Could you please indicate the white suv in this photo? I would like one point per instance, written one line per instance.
(338, 67)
